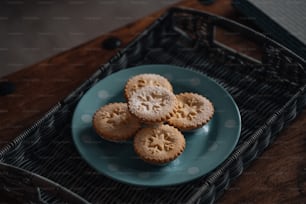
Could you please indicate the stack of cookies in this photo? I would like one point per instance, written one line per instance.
(154, 116)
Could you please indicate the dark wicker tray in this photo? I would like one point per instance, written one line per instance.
(42, 164)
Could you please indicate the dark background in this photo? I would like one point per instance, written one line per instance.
(32, 30)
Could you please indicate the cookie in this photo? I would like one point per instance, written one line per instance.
(152, 104)
(142, 80)
(159, 144)
(192, 111)
(114, 122)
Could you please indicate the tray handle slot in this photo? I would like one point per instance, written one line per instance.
(254, 46)
(219, 33)
(237, 43)
(216, 32)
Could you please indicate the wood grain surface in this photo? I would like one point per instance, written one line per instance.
(278, 176)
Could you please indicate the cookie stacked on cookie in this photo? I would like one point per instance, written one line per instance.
(150, 104)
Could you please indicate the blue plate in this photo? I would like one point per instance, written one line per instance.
(206, 148)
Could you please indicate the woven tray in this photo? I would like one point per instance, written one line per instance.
(42, 164)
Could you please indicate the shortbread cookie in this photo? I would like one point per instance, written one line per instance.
(152, 104)
(114, 122)
(192, 111)
(159, 144)
(142, 80)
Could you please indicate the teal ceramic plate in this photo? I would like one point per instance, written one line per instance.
(206, 148)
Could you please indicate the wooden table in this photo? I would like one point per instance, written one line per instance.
(278, 176)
